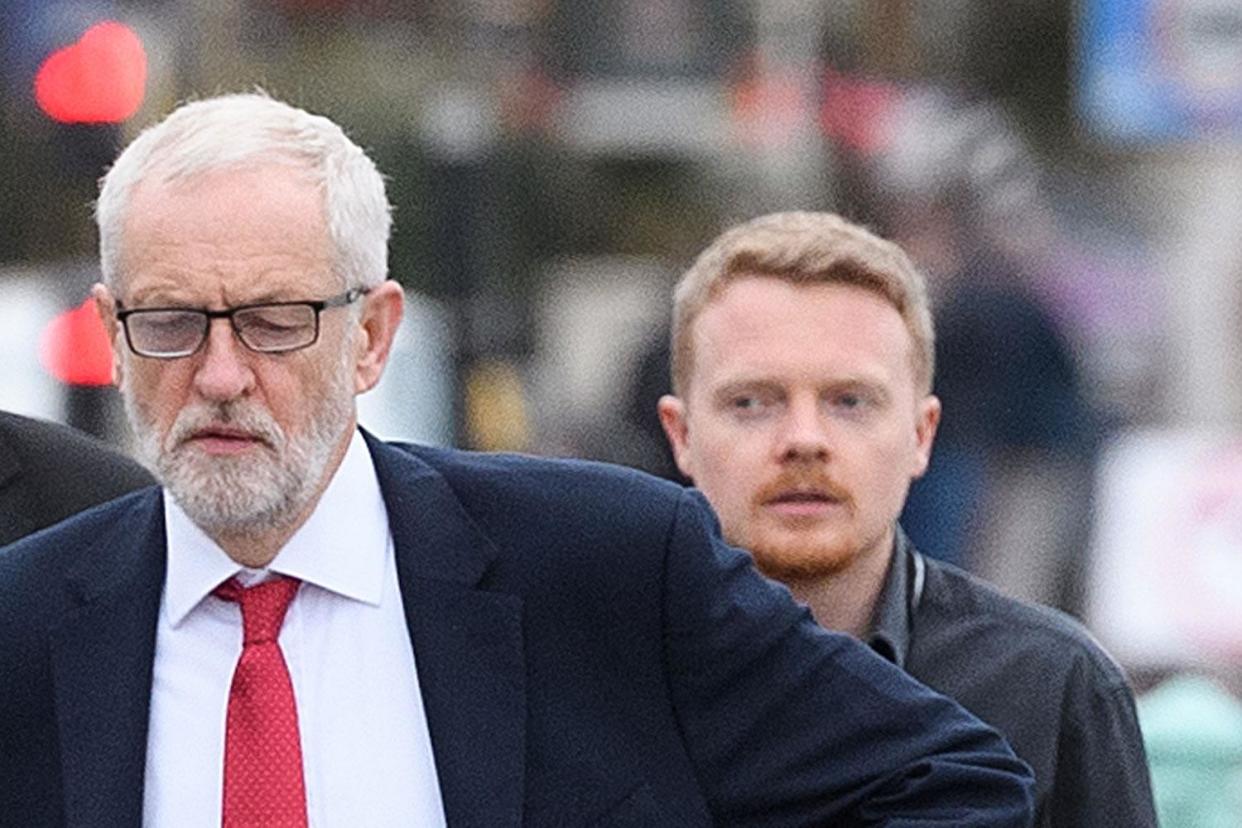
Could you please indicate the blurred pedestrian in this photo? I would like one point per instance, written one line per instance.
(1009, 489)
(49, 471)
(802, 364)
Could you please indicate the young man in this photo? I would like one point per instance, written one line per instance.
(802, 373)
(305, 625)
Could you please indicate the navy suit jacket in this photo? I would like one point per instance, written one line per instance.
(589, 653)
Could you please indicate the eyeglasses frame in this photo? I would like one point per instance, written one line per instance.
(317, 305)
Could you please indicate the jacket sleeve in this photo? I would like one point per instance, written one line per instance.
(790, 725)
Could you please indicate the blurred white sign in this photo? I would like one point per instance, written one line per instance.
(27, 304)
(414, 399)
(1165, 586)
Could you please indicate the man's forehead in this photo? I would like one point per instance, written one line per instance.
(768, 304)
(267, 184)
(233, 236)
(199, 274)
(199, 290)
(765, 326)
(176, 173)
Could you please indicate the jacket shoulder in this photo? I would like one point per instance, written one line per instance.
(481, 480)
(64, 469)
(980, 614)
(47, 443)
(56, 548)
(559, 522)
(49, 571)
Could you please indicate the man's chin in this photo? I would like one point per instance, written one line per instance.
(220, 491)
(224, 509)
(790, 563)
(188, 469)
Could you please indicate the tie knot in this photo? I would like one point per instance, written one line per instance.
(263, 606)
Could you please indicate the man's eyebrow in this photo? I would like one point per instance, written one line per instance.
(274, 296)
(173, 298)
(156, 297)
(870, 385)
(744, 385)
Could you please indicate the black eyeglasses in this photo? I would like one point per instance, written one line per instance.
(272, 328)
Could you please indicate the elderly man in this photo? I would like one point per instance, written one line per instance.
(802, 368)
(306, 626)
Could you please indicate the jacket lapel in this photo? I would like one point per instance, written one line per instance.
(467, 643)
(102, 655)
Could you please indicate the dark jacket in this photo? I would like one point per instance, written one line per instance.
(1034, 674)
(50, 471)
(589, 653)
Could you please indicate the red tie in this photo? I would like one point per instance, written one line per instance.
(262, 753)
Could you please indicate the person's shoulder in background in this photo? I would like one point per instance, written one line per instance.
(49, 472)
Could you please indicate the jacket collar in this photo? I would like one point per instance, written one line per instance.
(893, 615)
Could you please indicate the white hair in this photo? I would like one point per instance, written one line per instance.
(236, 131)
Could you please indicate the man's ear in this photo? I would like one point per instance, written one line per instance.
(928, 419)
(105, 306)
(672, 411)
(381, 317)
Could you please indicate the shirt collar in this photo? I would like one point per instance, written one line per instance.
(341, 547)
(890, 620)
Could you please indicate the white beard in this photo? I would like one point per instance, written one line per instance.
(259, 490)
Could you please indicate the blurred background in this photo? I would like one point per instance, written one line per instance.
(1067, 174)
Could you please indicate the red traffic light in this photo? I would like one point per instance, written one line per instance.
(75, 348)
(101, 79)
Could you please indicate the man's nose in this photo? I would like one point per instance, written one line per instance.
(224, 371)
(804, 433)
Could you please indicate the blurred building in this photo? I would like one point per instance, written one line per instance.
(555, 164)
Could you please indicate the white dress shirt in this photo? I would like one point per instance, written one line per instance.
(366, 749)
